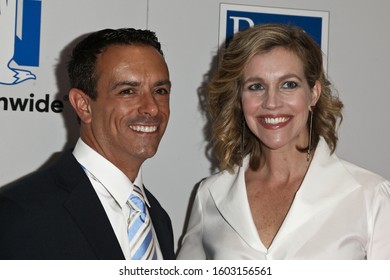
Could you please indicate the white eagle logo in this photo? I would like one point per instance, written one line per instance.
(10, 21)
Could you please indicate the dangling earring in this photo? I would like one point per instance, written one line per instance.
(310, 135)
(242, 140)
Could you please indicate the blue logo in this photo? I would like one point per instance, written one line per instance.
(20, 32)
(235, 18)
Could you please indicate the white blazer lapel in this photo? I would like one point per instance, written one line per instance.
(230, 197)
(326, 182)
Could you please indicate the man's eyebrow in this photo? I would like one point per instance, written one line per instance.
(163, 83)
(126, 83)
(137, 83)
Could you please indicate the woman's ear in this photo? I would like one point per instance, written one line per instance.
(81, 104)
(315, 93)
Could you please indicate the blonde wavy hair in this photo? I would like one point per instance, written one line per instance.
(223, 92)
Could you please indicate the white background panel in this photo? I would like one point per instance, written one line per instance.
(358, 60)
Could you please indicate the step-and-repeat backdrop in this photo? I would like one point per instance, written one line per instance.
(37, 122)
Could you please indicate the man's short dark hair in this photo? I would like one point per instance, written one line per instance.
(82, 63)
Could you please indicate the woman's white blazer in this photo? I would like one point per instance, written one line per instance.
(341, 211)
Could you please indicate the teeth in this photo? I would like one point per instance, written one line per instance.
(142, 128)
(275, 120)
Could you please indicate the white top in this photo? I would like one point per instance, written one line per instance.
(113, 188)
(341, 211)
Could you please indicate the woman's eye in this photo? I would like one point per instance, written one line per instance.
(256, 87)
(289, 85)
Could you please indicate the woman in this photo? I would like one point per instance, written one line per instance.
(282, 193)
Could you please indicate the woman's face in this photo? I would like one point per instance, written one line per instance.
(276, 99)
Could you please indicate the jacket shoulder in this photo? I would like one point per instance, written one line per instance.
(63, 171)
(362, 175)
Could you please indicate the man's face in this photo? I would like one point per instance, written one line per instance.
(130, 114)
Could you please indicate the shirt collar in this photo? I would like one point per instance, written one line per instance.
(117, 184)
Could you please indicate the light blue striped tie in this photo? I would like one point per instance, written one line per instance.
(140, 233)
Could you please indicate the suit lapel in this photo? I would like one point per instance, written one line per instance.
(162, 226)
(85, 207)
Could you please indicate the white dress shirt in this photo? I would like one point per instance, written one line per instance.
(113, 188)
(341, 211)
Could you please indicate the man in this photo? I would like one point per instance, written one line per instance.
(86, 205)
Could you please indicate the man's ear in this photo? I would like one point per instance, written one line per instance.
(81, 104)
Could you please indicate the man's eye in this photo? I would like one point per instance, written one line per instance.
(256, 87)
(127, 91)
(161, 91)
(289, 85)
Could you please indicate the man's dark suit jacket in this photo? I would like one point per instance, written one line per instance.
(55, 214)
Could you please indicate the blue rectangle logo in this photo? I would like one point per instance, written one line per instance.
(234, 18)
(20, 36)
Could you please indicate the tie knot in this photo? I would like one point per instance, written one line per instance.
(137, 203)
